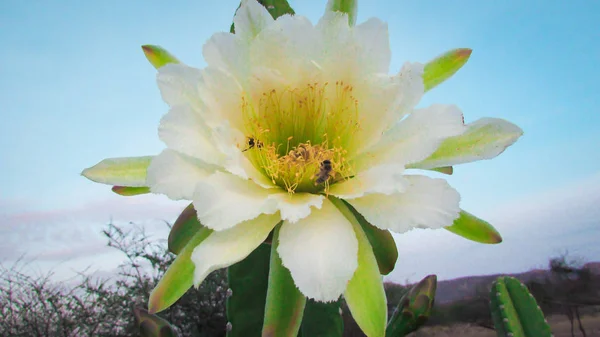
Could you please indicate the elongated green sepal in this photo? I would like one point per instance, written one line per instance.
(414, 308)
(179, 278)
(285, 303)
(364, 294)
(515, 311)
(276, 8)
(184, 228)
(322, 319)
(471, 227)
(127, 191)
(126, 171)
(382, 242)
(444, 66)
(348, 7)
(158, 56)
(151, 325)
(248, 281)
(485, 138)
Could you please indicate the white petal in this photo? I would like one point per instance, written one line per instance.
(228, 141)
(222, 94)
(347, 7)
(386, 100)
(186, 130)
(427, 203)
(250, 19)
(372, 37)
(210, 131)
(321, 252)
(227, 52)
(183, 130)
(223, 200)
(176, 175)
(286, 50)
(224, 248)
(384, 179)
(179, 83)
(186, 87)
(414, 138)
(294, 207)
(332, 23)
(410, 88)
(339, 58)
(219, 145)
(484, 139)
(253, 173)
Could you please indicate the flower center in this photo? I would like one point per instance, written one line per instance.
(300, 137)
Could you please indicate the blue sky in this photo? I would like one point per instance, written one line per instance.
(75, 88)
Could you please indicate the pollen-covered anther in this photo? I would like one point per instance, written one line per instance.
(305, 168)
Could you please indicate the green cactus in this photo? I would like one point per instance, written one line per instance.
(414, 308)
(248, 281)
(322, 319)
(514, 310)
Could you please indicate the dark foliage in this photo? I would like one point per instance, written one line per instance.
(35, 306)
(571, 288)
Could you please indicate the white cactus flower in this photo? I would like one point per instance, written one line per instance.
(289, 117)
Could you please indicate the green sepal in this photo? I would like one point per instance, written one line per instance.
(276, 8)
(184, 228)
(364, 295)
(382, 242)
(248, 281)
(124, 171)
(444, 66)
(414, 308)
(285, 303)
(128, 191)
(179, 278)
(482, 139)
(158, 56)
(471, 227)
(514, 310)
(322, 319)
(152, 325)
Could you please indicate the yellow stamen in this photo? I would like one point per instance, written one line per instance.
(299, 129)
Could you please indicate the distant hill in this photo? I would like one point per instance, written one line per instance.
(465, 288)
(594, 267)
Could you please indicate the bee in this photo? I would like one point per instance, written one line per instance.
(253, 142)
(324, 172)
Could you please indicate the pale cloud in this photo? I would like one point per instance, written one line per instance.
(59, 235)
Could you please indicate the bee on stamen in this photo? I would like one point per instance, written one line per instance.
(252, 142)
(324, 172)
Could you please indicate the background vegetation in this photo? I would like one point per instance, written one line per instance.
(93, 306)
